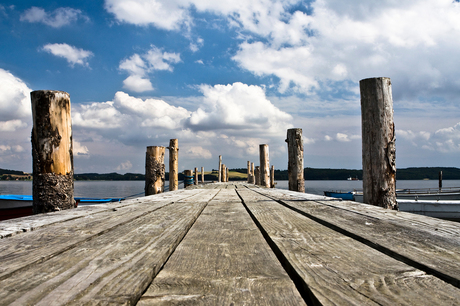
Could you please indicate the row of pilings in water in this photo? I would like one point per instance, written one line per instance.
(52, 152)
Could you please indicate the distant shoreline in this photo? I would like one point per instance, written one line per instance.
(310, 174)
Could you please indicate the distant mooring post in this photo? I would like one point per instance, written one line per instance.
(202, 175)
(264, 165)
(253, 177)
(195, 182)
(52, 151)
(378, 137)
(227, 177)
(295, 160)
(257, 176)
(188, 178)
(220, 169)
(440, 180)
(272, 177)
(155, 170)
(249, 172)
(173, 164)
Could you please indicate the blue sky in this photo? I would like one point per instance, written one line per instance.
(224, 77)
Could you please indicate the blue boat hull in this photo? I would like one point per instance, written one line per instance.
(349, 196)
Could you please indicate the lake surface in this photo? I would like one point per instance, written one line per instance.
(105, 189)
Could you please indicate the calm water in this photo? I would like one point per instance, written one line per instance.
(129, 188)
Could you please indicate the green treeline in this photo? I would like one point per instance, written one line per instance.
(419, 173)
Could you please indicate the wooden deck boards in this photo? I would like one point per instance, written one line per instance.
(229, 243)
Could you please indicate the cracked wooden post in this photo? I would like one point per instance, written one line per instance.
(264, 170)
(295, 160)
(220, 169)
(272, 177)
(52, 151)
(195, 180)
(173, 164)
(188, 178)
(155, 170)
(202, 175)
(257, 176)
(378, 138)
(253, 177)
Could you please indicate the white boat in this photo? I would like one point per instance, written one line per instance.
(433, 202)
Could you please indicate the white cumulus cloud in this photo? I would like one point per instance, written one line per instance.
(72, 54)
(58, 18)
(238, 107)
(15, 107)
(139, 66)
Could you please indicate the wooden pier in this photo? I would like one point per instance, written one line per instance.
(230, 244)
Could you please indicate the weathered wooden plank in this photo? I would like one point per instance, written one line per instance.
(223, 260)
(9, 228)
(18, 252)
(429, 244)
(112, 268)
(339, 270)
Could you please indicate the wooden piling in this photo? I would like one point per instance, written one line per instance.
(257, 176)
(295, 160)
(202, 175)
(154, 170)
(188, 178)
(253, 177)
(52, 151)
(173, 164)
(440, 180)
(220, 169)
(264, 165)
(195, 178)
(226, 174)
(378, 139)
(249, 172)
(272, 177)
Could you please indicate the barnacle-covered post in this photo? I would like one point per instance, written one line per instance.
(52, 154)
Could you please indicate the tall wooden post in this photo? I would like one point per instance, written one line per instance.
(378, 137)
(253, 177)
(154, 170)
(295, 160)
(195, 181)
(220, 169)
(272, 177)
(52, 151)
(257, 175)
(226, 174)
(173, 164)
(188, 178)
(202, 175)
(264, 165)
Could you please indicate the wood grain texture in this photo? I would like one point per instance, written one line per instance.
(340, 270)
(223, 260)
(9, 228)
(111, 268)
(427, 243)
